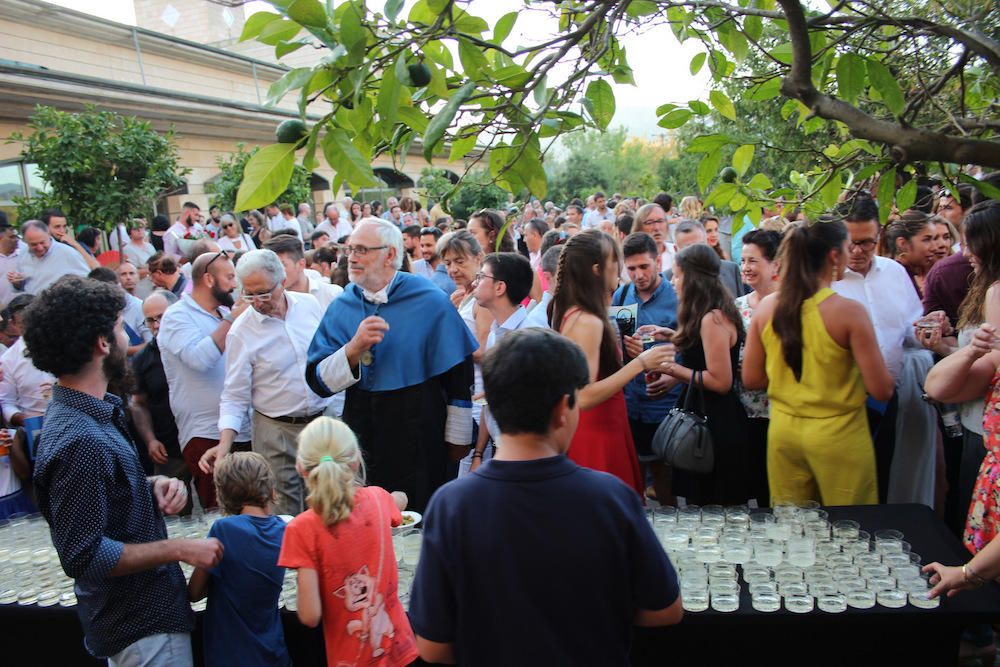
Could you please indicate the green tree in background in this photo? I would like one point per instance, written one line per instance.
(101, 168)
(903, 87)
(477, 191)
(224, 187)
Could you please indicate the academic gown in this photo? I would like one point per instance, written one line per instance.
(415, 395)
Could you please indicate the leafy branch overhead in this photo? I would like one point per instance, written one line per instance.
(899, 85)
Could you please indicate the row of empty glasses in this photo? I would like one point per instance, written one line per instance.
(31, 574)
(793, 555)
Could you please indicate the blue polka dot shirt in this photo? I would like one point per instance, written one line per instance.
(93, 492)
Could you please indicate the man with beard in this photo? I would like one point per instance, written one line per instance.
(104, 514)
(408, 410)
(431, 266)
(192, 343)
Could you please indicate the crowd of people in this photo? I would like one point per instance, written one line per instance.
(339, 369)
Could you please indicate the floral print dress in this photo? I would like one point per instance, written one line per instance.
(754, 400)
(983, 522)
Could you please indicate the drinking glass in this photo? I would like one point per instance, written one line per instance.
(802, 551)
(768, 553)
(763, 587)
(725, 602)
(694, 598)
(832, 603)
(766, 602)
(846, 530)
(922, 601)
(861, 598)
(792, 588)
(799, 604)
(893, 598)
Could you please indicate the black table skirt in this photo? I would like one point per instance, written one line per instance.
(855, 638)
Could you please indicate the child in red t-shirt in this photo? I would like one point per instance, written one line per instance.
(342, 549)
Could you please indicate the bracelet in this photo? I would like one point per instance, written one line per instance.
(477, 455)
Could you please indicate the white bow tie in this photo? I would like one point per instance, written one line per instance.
(379, 297)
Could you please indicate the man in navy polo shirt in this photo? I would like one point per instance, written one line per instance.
(572, 545)
(648, 397)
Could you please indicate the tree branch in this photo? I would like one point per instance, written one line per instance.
(905, 144)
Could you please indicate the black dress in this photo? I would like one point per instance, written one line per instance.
(727, 421)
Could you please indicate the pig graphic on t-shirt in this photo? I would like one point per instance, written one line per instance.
(358, 593)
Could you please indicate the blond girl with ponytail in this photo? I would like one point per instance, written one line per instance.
(342, 549)
(816, 354)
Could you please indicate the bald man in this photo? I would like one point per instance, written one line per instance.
(192, 343)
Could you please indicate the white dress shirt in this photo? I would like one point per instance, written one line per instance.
(342, 229)
(24, 388)
(538, 316)
(195, 370)
(246, 243)
(595, 218)
(277, 223)
(892, 302)
(132, 315)
(324, 291)
(139, 254)
(517, 320)
(8, 263)
(266, 364)
(40, 272)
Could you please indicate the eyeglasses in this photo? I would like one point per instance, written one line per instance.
(481, 275)
(154, 320)
(228, 225)
(867, 245)
(654, 222)
(360, 249)
(260, 298)
(221, 253)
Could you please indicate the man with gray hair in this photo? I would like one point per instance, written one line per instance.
(401, 352)
(305, 221)
(692, 232)
(45, 262)
(265, 373)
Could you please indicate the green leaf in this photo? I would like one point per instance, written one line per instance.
(256, 23)
(665, 108)
(721, 195)
(541, 92)
(638, 8)
(869, 171)
(461, 147)
(346, 160)
(602, 102)
(760, 182)
(708, 169)
(699, 107)
(513, 76)
(266, 176)
(764, 91)
(722, 104)
(352, 33)
(738, 201)
(309, 13)
(782, 53)
(282, 49)
(437, 6)
(278, 31)
(830, 192)
(414, 119)
(743, 157)
(753, 26)
(850, 76)
(389, 91)
(707, 143)
(503, 27)
(887, 86)
(474, 62)
(436, 128)
(292, 80)
(470, 25)
(675, 119)
(884, 195)
(392, 9)
(906, 195)
(698, 62)
(987, 189)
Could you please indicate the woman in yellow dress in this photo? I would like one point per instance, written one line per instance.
(816, 354)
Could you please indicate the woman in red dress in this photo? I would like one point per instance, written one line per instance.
(589, 267)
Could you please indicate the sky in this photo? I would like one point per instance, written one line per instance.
(659, 62)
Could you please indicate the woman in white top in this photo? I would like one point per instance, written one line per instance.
(138, 250)
(233, 237)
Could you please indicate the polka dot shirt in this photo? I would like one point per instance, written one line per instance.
(93, 492)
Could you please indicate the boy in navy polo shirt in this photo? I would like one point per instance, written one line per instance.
(533, 560)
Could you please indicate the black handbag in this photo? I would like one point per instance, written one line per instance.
(682, 439)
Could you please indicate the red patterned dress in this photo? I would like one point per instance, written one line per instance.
(983, 522)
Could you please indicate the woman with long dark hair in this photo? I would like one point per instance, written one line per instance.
(586, 277)
(485, 225)
(911, 241)
(816, 354)
(709, 335)
(973, 371)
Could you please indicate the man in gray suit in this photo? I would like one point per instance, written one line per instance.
(691, 232)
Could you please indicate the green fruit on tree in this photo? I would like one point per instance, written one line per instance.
(420, 74)
(728, 175)
(291, 131)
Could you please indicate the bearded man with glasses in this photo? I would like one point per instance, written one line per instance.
(265, 374)
(192, 342)
(395, 344)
